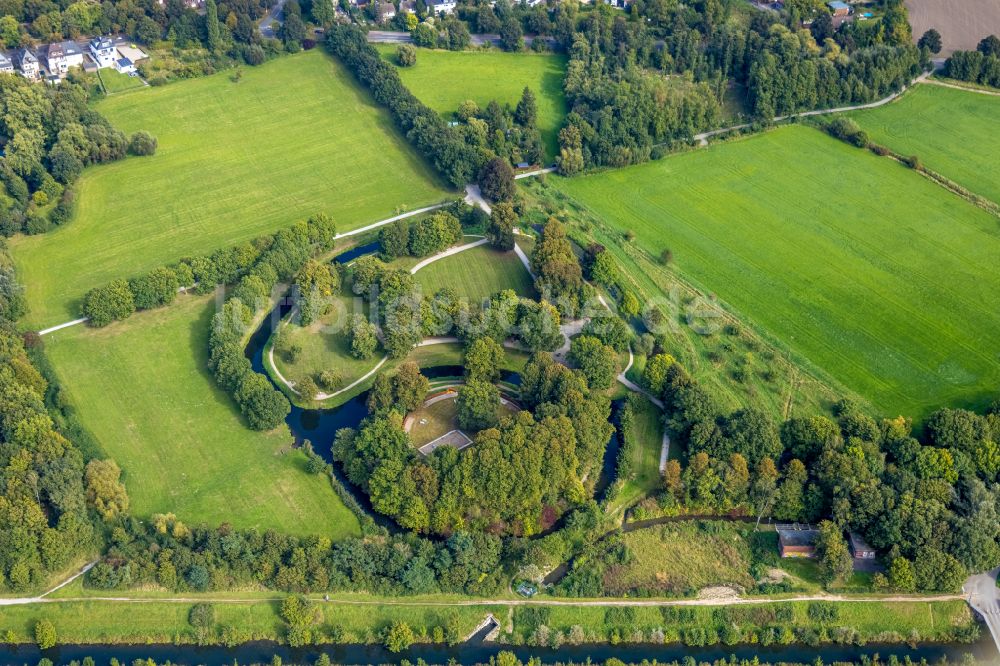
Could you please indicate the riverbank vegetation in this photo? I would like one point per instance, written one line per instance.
(197, 195)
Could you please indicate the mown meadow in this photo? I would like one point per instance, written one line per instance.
(143, 391)
(444, 79)
(872, 276)
(236, 159)
(953, 132)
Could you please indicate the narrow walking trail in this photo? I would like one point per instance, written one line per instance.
(20, 601)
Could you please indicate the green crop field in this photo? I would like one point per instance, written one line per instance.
(476, 274)
(953, 132)
(867, 272)
(142, 389)
(292, 138)
(444, 79)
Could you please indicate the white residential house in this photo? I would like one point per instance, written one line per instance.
(103, 51)
(6, 66)
(62, 56)
(385, 11)
(438, 6)
(27, 63)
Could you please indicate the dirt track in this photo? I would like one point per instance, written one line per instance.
(962, 23)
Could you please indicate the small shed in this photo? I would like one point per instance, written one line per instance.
(797, 540)
(839, 8)
(860, 548)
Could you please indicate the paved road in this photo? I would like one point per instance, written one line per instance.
(269, 24)
(984, 597)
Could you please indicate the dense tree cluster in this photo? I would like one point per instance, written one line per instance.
(165, 552)
(424, 237)
(934, 503)
(43, 502)
(440, 144)
(981, 66)
(510, 134)
(49, 134)
(279, 257)
(658, 75)
(558, 276)
(521, 472)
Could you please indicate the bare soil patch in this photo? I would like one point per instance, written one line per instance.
(962, 23)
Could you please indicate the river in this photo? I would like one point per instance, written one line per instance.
(471, 653)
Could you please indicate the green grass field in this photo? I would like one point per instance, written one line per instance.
(294, 137)
(166, 622)
(142, 389)
(476, 274)
(444, 79)
(115, 82)
(647, 431)
(953, 132)
(868, 273)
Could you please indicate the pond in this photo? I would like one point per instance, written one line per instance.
(478, 652)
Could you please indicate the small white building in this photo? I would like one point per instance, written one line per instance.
(103, 51)
(27, 63)
(439, 6)
(62, 56)
(124, 65)
(6, 66)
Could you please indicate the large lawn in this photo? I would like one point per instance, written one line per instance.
(476, 274)
(867, 272)
(142, 389)
(444, 79)
(292, 138)
(953, 132)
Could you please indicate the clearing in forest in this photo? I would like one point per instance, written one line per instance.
(953, 132)
(444, 79)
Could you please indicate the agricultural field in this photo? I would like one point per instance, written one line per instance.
(236, 160)
(873, 277)
(953, 132)
(444, 79)
(476, 274)
(962, 23)
(142, 388)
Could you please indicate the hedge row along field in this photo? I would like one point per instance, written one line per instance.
(953, 132)
(869, 273)
(235, 160)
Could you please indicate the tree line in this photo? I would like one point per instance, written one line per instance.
(45, 500)
(49, 134)
(981, 66)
